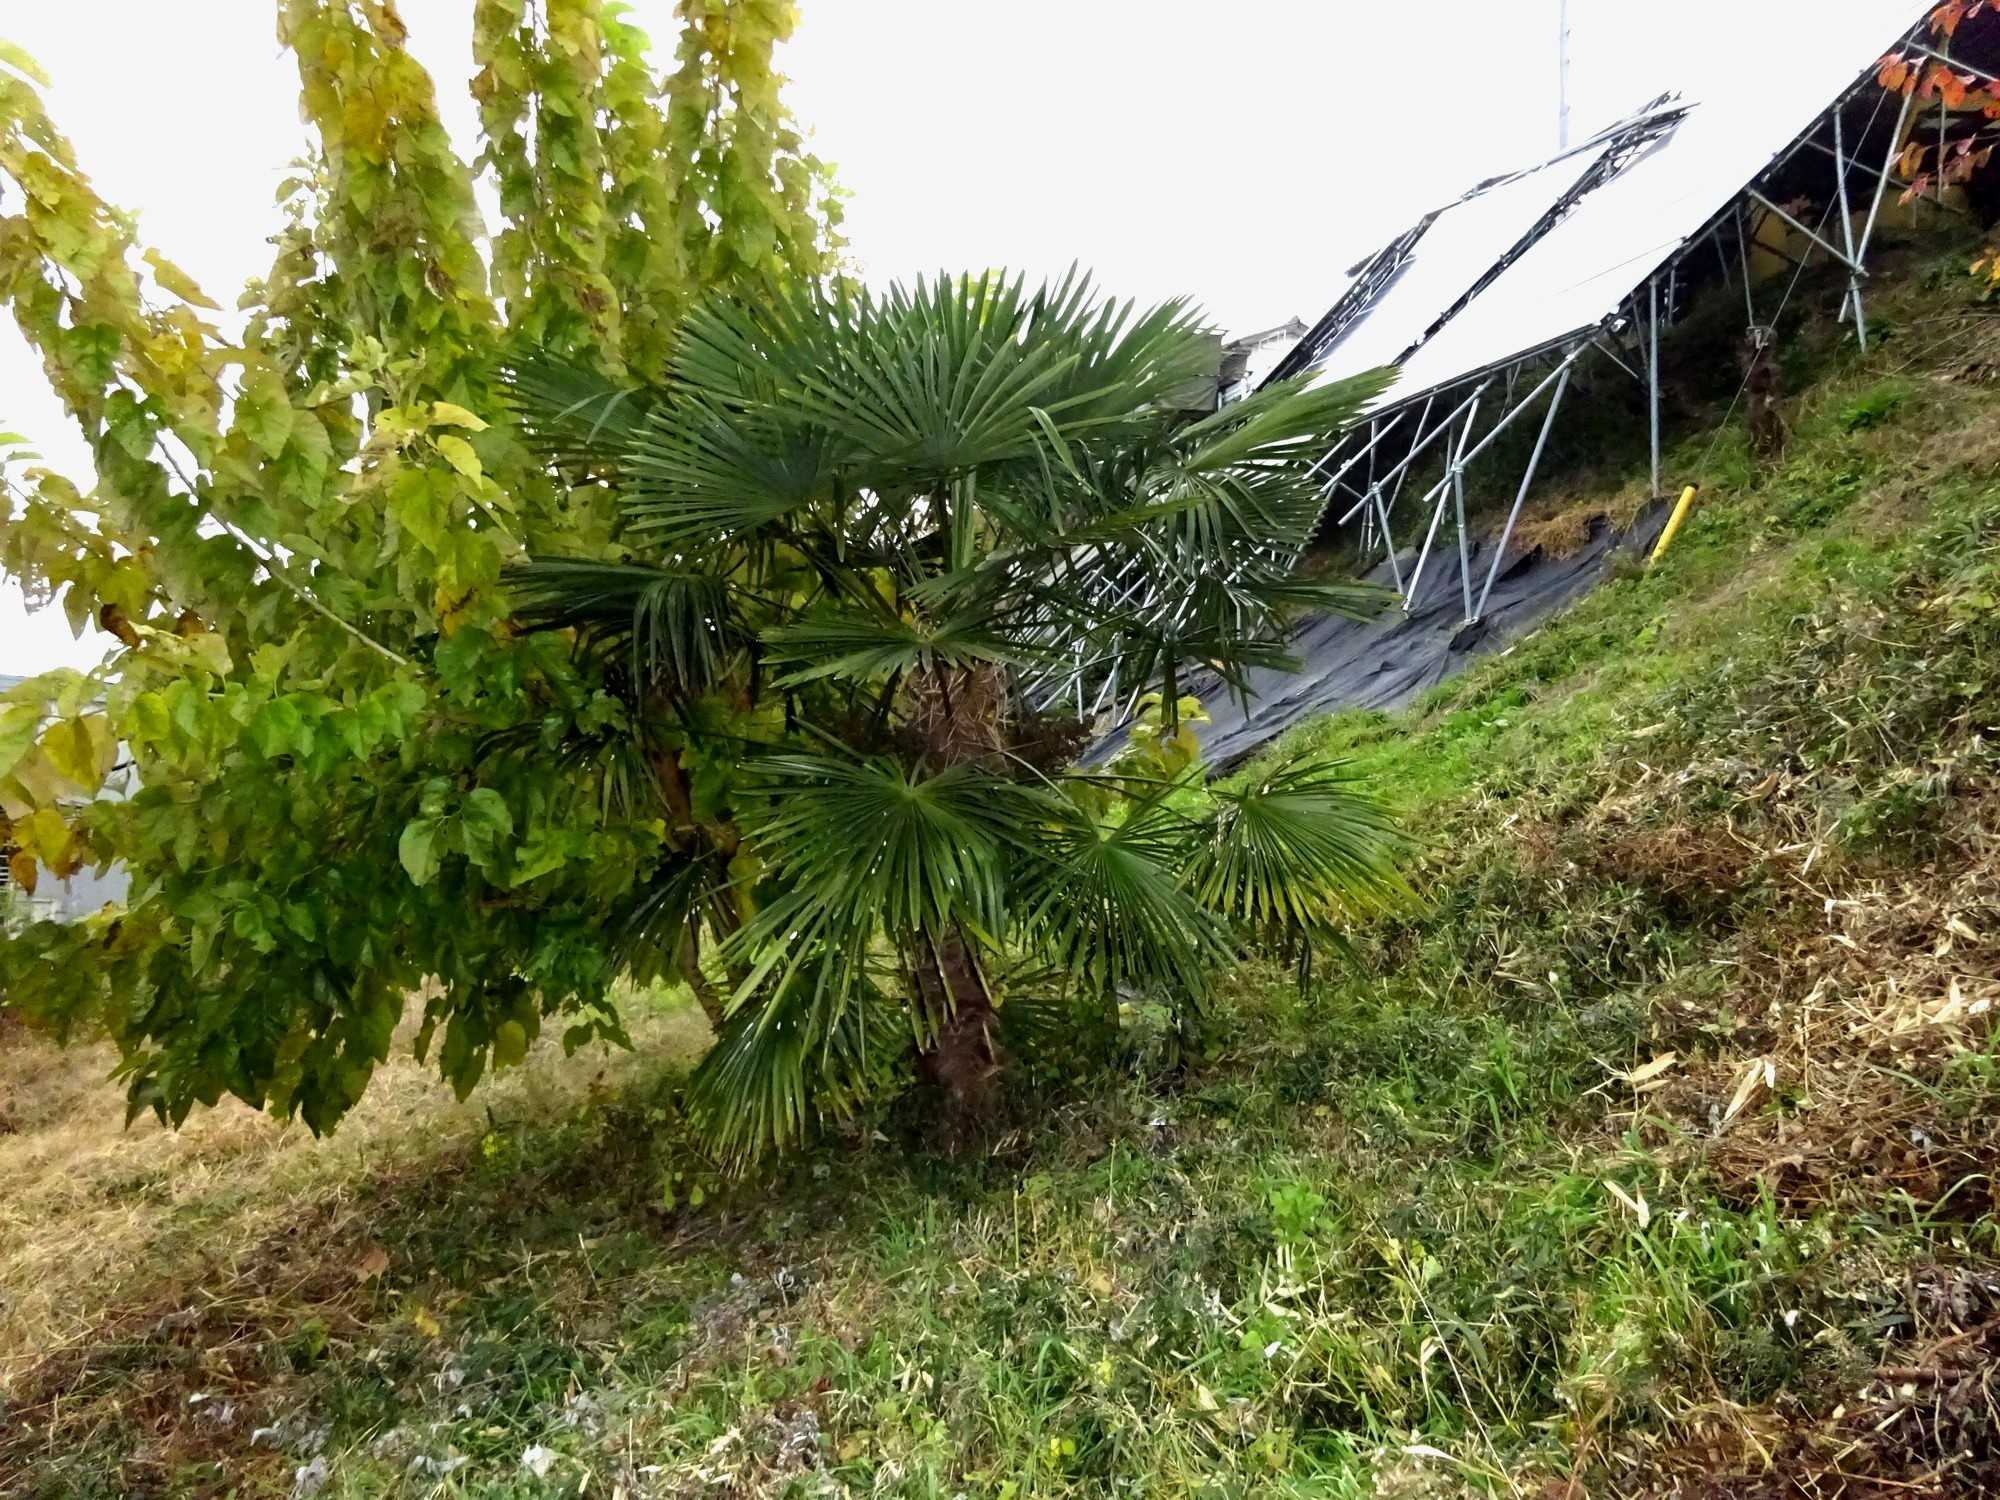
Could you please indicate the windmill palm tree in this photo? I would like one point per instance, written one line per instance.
(867, 540)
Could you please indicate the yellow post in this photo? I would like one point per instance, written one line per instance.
(1673, 524)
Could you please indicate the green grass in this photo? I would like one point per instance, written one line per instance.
(1449, 1223)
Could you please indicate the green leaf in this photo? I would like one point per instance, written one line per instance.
(450, 414)
(264, 414)
(417, 849)
(280, 729)
(484, 822)
(17, 733)
(458, 453)
(510, 1044)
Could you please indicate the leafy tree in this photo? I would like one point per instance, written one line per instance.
(767, 704)
(868, 538)
(296, 534)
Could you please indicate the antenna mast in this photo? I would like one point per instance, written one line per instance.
(1562, 75)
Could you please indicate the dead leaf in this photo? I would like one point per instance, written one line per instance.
(1762, 1073)
(371, 1265)
(1652, 1069)
(1639, 1207)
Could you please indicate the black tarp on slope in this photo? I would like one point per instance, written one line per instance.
(1387, 661)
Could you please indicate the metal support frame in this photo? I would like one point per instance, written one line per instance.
(1450, 488)
(1417, 449)
(1452, 472)
(1882, 177)
(1478, 611)
(1853, 299)
(1377, 493)
(1951, 62)
(1812, 234)
(1653, 376)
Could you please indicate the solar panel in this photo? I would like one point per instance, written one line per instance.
(1619, 231)
(1457, 246)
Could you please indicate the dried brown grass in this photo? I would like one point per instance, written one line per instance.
(1561, 521)
(104, 1228)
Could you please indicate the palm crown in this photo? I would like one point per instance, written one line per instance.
(864, 539)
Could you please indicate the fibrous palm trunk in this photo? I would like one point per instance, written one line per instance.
(961, 715)
(963, 1058)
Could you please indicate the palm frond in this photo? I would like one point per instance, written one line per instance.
(900, 848)
(571, 415)
(1298, 848)
(782, 1068)
(663, 625)
(701, 476)
(855, 645)
(1106, 903)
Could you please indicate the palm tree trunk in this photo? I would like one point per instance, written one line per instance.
(960, 712)
(963, 1059)
(704, 992)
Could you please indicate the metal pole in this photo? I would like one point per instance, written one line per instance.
(1951, 62)
(1812, 234)
(1526, 401)
(1743, 249)
(1328, 487)
(1653, 372)
(1437, 512)
(1382, 511)
(1464, 552)
(1882, 178)
(1396, 490)
(1847, 229)
(1423, 553)
(1520, 495)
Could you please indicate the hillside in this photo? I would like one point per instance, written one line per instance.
(1652, 1156)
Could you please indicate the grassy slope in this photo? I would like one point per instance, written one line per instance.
(1630, 1165)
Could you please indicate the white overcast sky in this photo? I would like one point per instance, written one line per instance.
(1242, 153)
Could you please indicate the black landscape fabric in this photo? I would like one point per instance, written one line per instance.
(1387, 661)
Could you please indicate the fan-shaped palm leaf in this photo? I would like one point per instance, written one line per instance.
(1298, 847)
(1106, 903)
(663, 624)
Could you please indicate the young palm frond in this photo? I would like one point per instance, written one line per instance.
(1106, 902)
(779, 1070)
(570, 415)
(854, 847)
(664, 625)
(1299, 848)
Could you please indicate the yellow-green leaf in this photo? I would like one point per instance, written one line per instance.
(23, 64)
(177, 281)
(17, 733)
(458, 453)
(45, 835)
(451, 414)
(81, 749)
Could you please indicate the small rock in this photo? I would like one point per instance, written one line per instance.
(309, 1479)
